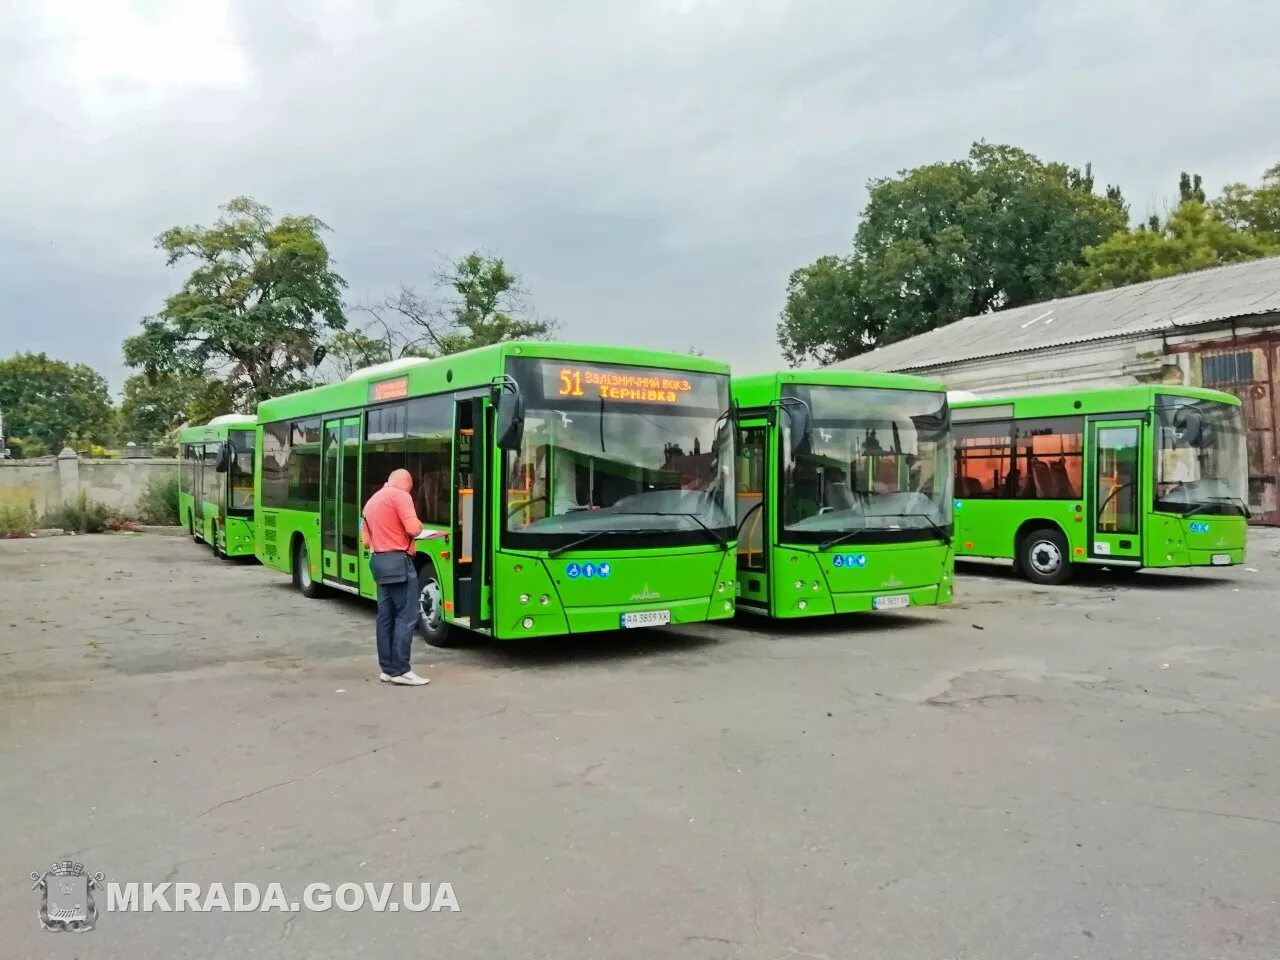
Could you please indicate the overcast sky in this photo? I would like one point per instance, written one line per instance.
(653, 169)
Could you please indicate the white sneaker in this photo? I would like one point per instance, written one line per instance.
(410, 679)
(384, 677)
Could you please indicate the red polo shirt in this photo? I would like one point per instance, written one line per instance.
(390, 522)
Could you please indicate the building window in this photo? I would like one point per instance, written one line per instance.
(1227, 368)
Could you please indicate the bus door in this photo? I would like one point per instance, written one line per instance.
(753, 514)
(340, 501)
(471, 515)
(1115, 482)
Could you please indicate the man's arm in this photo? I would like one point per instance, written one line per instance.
(408, 516)
(364, 534)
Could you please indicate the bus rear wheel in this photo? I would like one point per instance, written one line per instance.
(302, 578)
(1043, 557)
(431, 622)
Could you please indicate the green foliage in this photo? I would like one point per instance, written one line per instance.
(483, 302)
(52, 403)
(945, 241)
(350, 350)
(26, 448)
(260, 298)
(82, 515)
(17, 521)
(154, 405)
(825, 314)
(158, 503)
(1193, 238)
(1252, 209)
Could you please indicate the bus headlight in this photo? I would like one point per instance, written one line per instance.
(720, 587)
(524, 598)
(802, 605)
(544, 600)
(799, 584)
(728, 605)
(815, 585)
(527, 623)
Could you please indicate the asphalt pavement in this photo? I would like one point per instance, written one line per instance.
(1082, 771)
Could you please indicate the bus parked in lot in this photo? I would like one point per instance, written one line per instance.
(215, 486)
(580, 488)
(844, 493)
(1143, 476)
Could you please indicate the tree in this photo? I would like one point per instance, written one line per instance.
(1252, 209)
(349, 350)
(1193, 238)
(945, 241)
(154, 405)
(479, 302)
(260, 299)
(48, 404)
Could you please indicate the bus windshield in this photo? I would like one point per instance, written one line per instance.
(638, 451)
(875, 466)
(1201, 460)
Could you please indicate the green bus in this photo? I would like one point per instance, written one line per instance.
(1131, 477)
(215, 485)
(579, 488)
(844, 493)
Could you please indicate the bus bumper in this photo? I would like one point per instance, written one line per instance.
(820, 604)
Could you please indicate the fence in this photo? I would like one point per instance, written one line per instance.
(51, 481)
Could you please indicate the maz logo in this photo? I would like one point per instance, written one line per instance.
(892, 582)
(645, 594)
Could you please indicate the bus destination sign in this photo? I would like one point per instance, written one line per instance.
(396, 389)
(627, 385)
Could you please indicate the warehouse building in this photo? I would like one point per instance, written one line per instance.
(1216, 328)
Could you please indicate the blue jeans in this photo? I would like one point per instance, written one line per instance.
(397, 619)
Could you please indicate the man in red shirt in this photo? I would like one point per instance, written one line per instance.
(390, 526)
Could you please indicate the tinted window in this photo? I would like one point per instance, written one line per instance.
(428, 454)
(1028, 459)
(304, 465)
(275, 464)
(385, 423)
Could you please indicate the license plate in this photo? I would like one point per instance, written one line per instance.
(647, 618)
(1222, 559)
(895, 602)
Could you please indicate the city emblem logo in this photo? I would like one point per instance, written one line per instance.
(66, 901)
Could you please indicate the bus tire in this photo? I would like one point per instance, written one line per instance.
(1043, 556)
(302, 578)
(217, 550)
(431, 622)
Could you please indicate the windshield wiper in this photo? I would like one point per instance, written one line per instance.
(581, 541)
(1208, 502)
(844, 537)
(715, 535)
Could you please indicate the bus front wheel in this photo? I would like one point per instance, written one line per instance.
(1043, 556)
(431, 620)
(302, 578)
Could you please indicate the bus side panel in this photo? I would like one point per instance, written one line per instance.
(277, 531)
(989, 528)
(186, 511)
(238, 537)
(983, 528)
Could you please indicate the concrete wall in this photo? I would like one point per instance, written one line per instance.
(51, 481)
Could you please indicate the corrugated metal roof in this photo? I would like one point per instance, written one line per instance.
(1206, 296)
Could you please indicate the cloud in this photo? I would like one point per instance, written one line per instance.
(654, 169)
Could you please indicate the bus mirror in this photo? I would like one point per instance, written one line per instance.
(223, 463)
(510, 421)
(798, 415)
